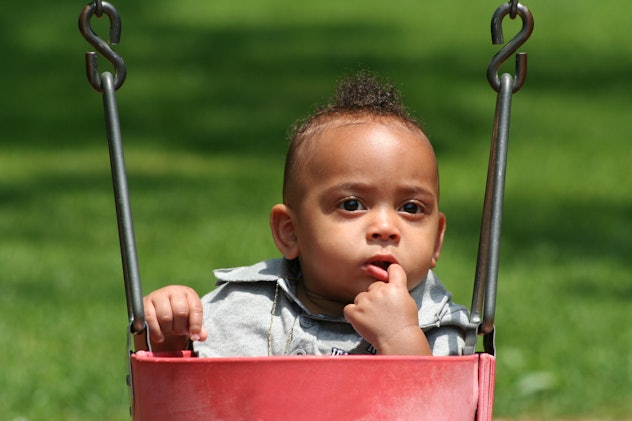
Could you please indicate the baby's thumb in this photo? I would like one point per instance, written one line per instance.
(397, 275)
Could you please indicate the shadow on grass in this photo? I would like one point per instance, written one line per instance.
(233, 90)
(236, 90)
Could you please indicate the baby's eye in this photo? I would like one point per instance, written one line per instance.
(411, 207)
(351, 205)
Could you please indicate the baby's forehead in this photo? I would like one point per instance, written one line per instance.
(355, 131)
(382, 146)
(335, 143)
(360, 119)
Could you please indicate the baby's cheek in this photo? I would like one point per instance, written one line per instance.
(414, 281)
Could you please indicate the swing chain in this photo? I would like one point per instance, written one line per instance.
(511, 47)
(486, 278)
(102, 46)
(107, 84)
(514, 9)
(99, 8)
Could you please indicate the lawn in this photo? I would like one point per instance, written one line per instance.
(211, 90)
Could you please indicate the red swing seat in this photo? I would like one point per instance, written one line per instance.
(179, 386)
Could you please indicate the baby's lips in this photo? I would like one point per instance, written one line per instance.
(377, 272)
(378, 265)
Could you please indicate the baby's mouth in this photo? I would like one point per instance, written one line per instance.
(378, 266)
(383, 264)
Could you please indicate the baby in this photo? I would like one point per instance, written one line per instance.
(359, 230)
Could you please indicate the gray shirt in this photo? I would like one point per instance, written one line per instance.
(254, 312)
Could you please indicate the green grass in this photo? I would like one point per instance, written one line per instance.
(210, 92)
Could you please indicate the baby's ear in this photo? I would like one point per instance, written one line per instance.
(439, 240)
(284, 231)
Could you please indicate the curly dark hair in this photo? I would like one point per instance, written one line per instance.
(358, 97)
(362, 94)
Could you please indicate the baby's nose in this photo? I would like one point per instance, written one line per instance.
(383, 227)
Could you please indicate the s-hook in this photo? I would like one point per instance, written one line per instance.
(98, 7)
(107, 84)
(485, 283)
(511, 8)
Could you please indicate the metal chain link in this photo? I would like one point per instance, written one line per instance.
(514, 9)
(99, 8)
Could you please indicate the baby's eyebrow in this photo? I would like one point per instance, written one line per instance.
(361, 187)
(350, 186)
(416, 190)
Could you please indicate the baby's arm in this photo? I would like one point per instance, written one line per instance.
(174, 316)
(386, 316)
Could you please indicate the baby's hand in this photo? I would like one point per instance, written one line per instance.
(386, 316)
(174, 315)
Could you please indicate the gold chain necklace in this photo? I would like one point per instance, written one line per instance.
(272, 313)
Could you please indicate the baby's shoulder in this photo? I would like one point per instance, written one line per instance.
(436, 306)
(250, 285)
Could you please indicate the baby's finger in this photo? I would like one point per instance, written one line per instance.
(155, 332)
(349, 312)
(196, 332)
(397, 276)
(164, 314)
(180, 315)
(376, 285)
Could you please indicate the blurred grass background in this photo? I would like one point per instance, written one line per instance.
(212, 88)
